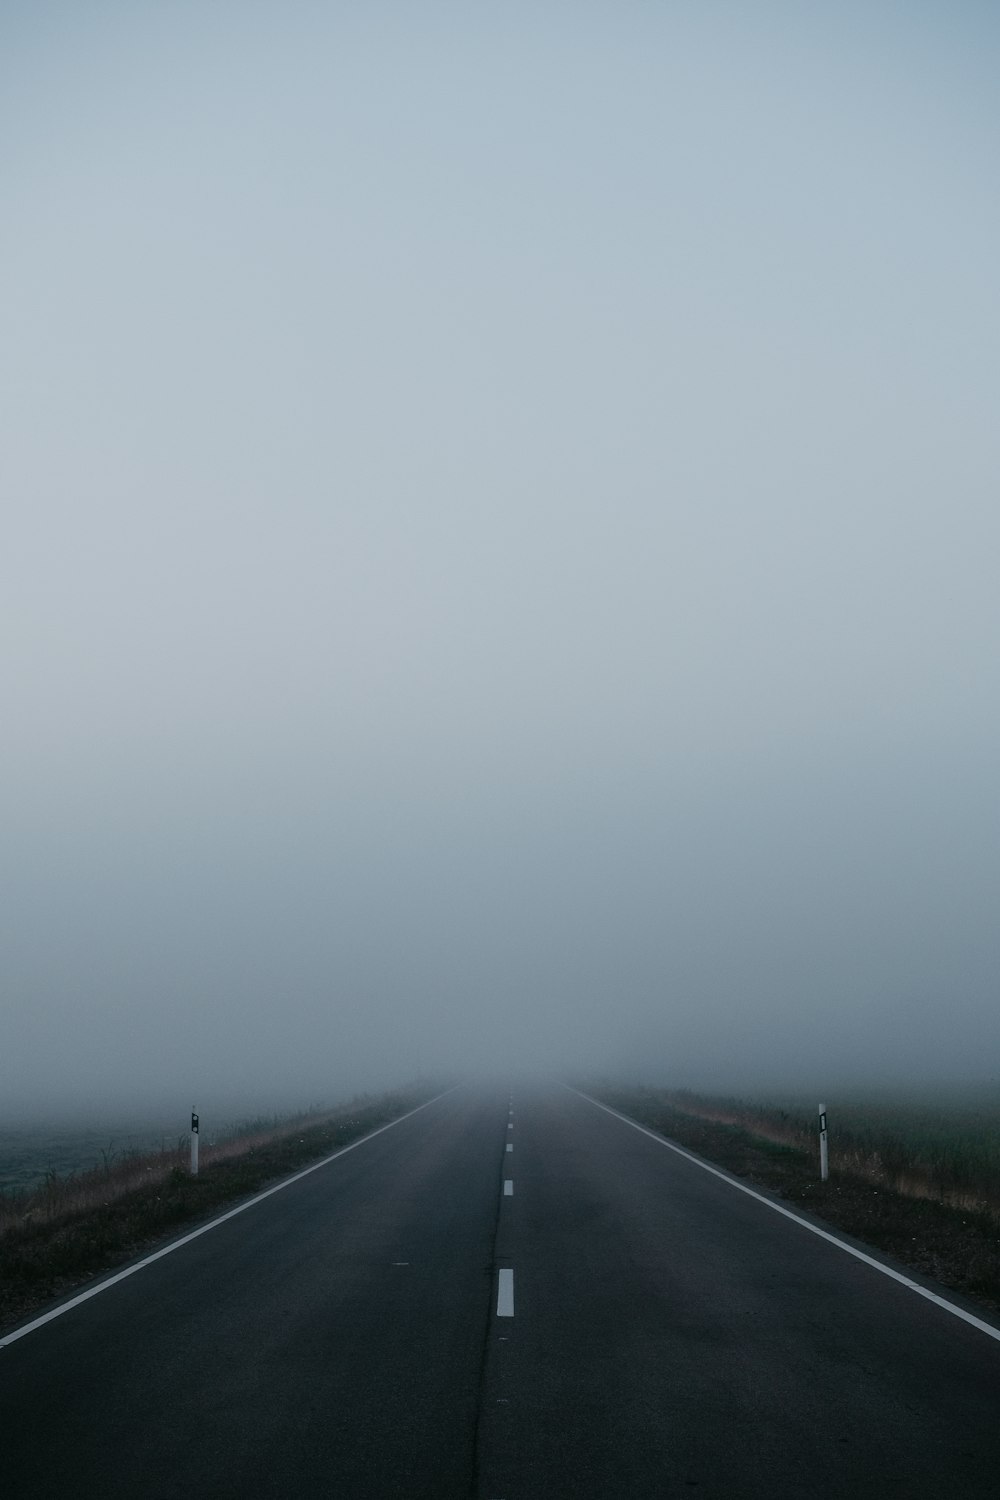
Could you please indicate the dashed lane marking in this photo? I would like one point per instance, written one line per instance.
(505, 1294)
(508, 1188)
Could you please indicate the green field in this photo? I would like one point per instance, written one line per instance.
(933, 1142)
(30, 1156)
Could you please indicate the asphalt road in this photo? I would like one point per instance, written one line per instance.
(616, 1322)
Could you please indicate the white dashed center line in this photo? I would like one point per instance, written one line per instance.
(508, 1188)
(509, 1146)
(505, 1295)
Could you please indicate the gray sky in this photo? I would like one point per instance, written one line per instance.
(500, 543)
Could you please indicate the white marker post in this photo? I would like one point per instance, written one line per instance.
(194, 1144)
(824, 1159)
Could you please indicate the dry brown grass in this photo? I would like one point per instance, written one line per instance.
(881, 1155)
(122, 1172)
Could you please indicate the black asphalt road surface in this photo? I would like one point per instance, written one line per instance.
(671, 1336)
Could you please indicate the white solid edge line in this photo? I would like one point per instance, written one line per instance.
(869, 1260)
(102, 1286)
(505, 1294)
(508, 1188)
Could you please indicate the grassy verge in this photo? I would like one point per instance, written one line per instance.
(53, 1240)
(957, 1245)
(939, 1144)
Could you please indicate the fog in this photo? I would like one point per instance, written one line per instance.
(500, 546)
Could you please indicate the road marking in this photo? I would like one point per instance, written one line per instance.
(95, 1291)
(869, 1260)
(505, 1295)
(508, 1188)
(510, 1127)
(509, 1146)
